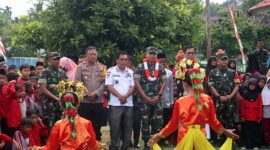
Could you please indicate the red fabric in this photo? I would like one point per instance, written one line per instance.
(266, 126)
(105, 102)
(254, 72)
(36, 132)
(20, 137)
(3, 102)
(173, 71)
(186, 113)
(5, 138)
(14, 116)
(60, 136)
(251, 111)
(21, 80)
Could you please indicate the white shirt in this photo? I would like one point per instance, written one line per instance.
(121, 81)
(167, 96)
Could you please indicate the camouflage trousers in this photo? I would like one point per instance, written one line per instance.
(225, 114)
(51, 112)
(151, 119)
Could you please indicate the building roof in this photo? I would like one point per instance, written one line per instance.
(262, 4)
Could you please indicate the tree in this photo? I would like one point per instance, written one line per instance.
(224, 36)
(26, 37)
(129, 25)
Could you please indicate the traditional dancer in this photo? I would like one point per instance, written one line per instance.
(73, 132)
(190, 115)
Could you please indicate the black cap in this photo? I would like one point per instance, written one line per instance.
(54, 55)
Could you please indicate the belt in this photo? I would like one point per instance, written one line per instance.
(196, 126)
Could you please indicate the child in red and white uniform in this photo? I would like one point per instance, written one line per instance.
(3, 108)
(14, 95)
(29, 100)
(38, 130)
(25, 71)
(22, 136)
(251, 115)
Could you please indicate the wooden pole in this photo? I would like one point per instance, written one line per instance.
(208, 29)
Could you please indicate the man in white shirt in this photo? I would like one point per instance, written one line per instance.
(120, 83)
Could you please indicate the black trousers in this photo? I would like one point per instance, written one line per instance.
(251, 130)
(94, 113)
(137, 123)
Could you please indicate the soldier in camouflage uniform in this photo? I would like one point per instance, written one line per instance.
(150, 87)
(261, 55)
(223, 83)
(48, 79)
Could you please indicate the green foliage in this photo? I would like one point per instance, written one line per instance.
(111, 25)
(223, 35)
(27, 37)
(5, 17)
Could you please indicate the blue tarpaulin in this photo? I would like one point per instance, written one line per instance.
(21, 60)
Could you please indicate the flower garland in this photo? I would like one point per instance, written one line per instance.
(181, 67)
(71, 113)
(196, 77)
(147, 72)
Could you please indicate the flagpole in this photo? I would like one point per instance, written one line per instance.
(237, 35)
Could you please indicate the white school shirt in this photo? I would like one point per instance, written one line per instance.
(121, 81)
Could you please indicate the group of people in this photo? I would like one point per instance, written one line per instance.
(151, 100)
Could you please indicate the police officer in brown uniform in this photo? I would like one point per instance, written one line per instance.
(92, 74)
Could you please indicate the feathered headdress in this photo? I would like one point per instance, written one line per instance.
(70, 93)
(71, 86)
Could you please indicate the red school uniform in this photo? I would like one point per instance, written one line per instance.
(14, 117)
(3, 101)
(36, 132)
(251, 110)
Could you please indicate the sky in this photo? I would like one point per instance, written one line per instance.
(20, 7)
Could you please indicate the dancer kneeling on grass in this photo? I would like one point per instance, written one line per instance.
(190, 114)
(73, 132)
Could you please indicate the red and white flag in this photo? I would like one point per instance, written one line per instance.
(2, 49)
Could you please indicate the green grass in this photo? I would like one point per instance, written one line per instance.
(106, 139)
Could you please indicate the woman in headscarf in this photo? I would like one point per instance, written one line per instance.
(190, 115)
(232, 65)
(251, 116)
(69, 66)
(266, 110)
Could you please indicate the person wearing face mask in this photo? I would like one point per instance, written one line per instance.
(223, 84)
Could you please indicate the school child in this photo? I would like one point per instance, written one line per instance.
(14, 95)
(25, 73)
(22, 135)
(251, 115)
(266, 111)
(38, 129)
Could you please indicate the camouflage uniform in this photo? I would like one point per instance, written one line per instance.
(262, 56)
(151, 114)
(51, 110)
(224, 81)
